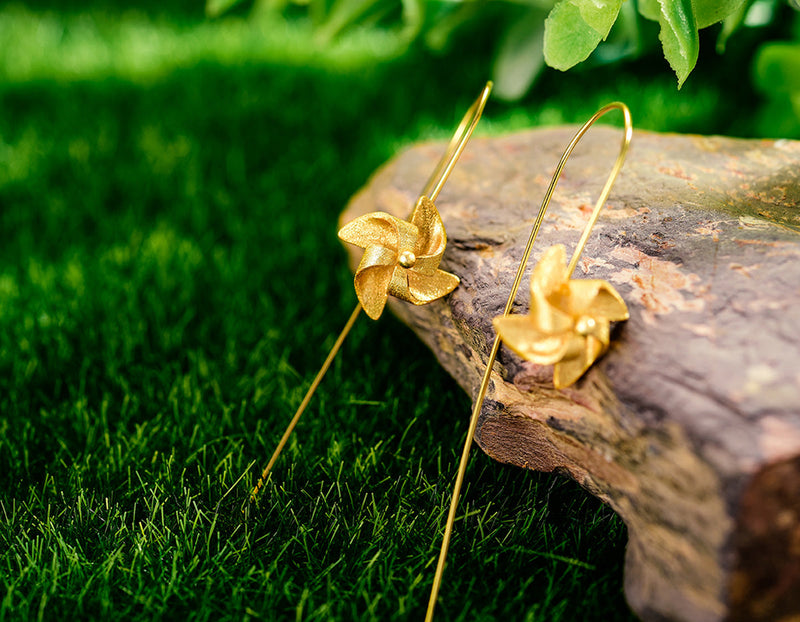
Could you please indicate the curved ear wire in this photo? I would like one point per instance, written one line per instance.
(628, 134)
(434, 186)
(462, 134)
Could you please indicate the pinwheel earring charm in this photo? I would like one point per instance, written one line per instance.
(401, 259)
(568, 323)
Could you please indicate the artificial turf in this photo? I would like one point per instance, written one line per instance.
(170, 280)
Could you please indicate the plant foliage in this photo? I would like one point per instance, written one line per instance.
(558, 33)
(777, 75)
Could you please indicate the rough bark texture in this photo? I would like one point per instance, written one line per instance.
(689, 427)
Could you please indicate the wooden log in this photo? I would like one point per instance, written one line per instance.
(689, 427)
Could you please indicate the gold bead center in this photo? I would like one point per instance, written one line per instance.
(407, 259)
(585, 325)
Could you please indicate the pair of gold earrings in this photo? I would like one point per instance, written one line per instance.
(567, 325)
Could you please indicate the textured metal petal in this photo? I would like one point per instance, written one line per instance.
(432, 237)
(550, 273)
(376, 228)
(548, 318)
(608, 304)
(428, 265)
(597, 299)
(567, 371)
(407, 235)
(602, 332)
(372, 288)
(582, 293)
(521, 335)
(398, 287)
(548, 281)
(426, 288)
(377, 256)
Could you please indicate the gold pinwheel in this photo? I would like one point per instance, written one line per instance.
(401, 258)
(568, 322)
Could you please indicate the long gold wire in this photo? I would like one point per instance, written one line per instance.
(473, 423)
(434, 184)
(320, 375)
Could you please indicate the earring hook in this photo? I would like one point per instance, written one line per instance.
(456, 145)
(462, 467)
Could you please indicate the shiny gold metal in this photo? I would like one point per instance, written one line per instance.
(589, 321)
(306, 399)
(407, 259)
(401, 258)
(568, 322)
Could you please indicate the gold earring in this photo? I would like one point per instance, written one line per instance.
(401, 258)
(568, 321)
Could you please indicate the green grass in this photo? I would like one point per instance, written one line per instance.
(170, 280)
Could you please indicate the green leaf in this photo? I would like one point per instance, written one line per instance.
(731, 24)
(625, 38)
(574, 28)
(707, 12)
(599, 14)
(519, 58)
(679, 37)
(649, 9)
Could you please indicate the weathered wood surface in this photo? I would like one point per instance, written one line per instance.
(689, 427)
